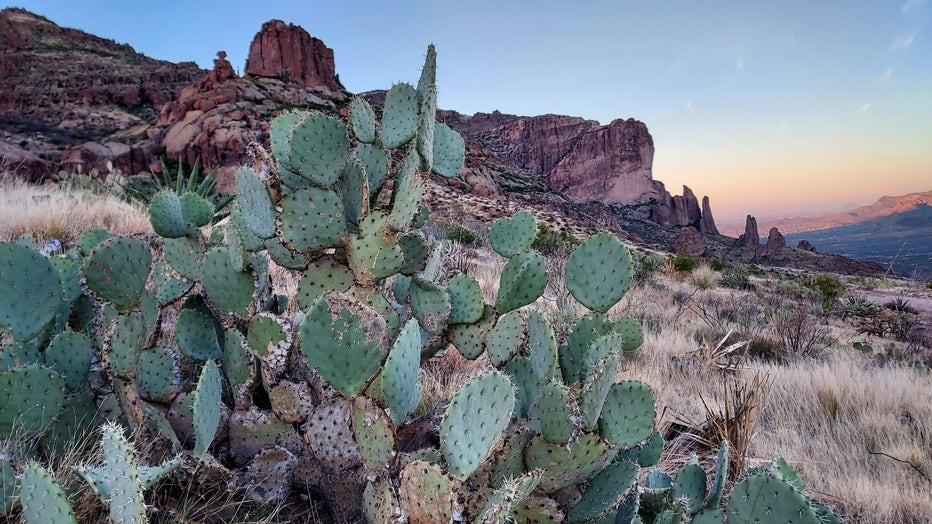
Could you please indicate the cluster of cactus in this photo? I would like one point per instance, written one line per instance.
(546, 435)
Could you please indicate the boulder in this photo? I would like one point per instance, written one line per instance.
(689, 241)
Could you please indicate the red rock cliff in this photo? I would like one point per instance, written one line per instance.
(281, 50)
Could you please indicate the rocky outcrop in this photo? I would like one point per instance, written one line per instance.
(689, 241)
(21, 163)
(775, 242)
(60, 88)
(805, 245)
(287, 51)
(750, 239)
(706, 222)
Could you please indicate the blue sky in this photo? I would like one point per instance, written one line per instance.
(771, 107)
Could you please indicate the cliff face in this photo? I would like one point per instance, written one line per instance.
(281, 50)
(61, 87)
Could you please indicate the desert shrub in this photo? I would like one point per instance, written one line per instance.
(683, 262)
(901, 305)
(459, 234)
(704, 277)
(646, 266)
(802, 332)
(552, 242)
(767, 349)
(718, 264)
(736, 277)
(755, 271)
(830, 287)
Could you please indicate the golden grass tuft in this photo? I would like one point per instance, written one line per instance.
(51, 213)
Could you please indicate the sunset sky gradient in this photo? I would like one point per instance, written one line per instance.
(774, 108)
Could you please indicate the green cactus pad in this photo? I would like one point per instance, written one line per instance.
(227, 288)
(167, 216)
(125, 340)
(238, 367)
(118, 480)
(236, 249)
(254, 202)
(69, 273)
(415, 250)
(426, 494)
(542, 345)
(508, 460)
(721, 476)
(9, 485)
(240, 225)
(265, 334)
(427, 119)
(155, 374)
(254, 429)
(312, 218)
(449, 151)
(285, 257)
(473, 420)
(375, 435)
(586, 330)
(406, 193)
(70, 354)
(184, 254)
(318, 149)
(510, 236)
(30, 398)
(598, 272)
(501, 505)
(785, 472)
(170, 285)
(470, 339)
(400, 116)
(30, 291)
(522, 281)
(375, 162)
(428, 73)
(374, 254)
(527, 384)
(466, 305)
(554, 410)
(690, 486)
(399, 384)
(540, 510)
(280, 132)
(630, 330)
(506, 338)
(117, 270)
(711, 516)
(377, 502)
(43, 501)
(361, 120)
(16, 354)
(197, 210)
(564, 465)
(207, 406)
(765, 499)
(628, 414)
(322, 276)
(600, 347)
(344, 340)
(430, 304)
(595, 388)
(89, 240)
(606, 492)
(355, 193)
(196, 336)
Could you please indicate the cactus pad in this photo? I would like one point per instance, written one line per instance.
(595, 388)
(586, 330)
(628, 414)
(470, 339)
(466, 305)
(207, 404)
(510, 236)
(117, 270)
(426, 122)
(430, 304)
(126, 337)
(554, 410)
(375, 162)
(155, 374)
(355, 190)
(167, 216)
(70, 354)
(197, 210)
(280, 132)
(169, 283)
(42, 500)
(598, 272)
(343, 339)
(522, 281)
(415, 250)
(312, 218)
(283, 256)
(506, 338)
(426, 494)
(238, 367)
(30, 398)
(89, 239)
(449, 151)
(374, 253)
(400, 116)
(226, 287)
(184, 254)
(605, 492)
(329, 434)
(254, 202)
(690, 486)
(564, 465)
(30, 291)
(292, 402)
(196, 336)
(406, 193)
(318, 149)
(322, 276)
(765, 499)
(428, 73)
(375, 435)
(362, 120)
(399, 384)
(473, 420)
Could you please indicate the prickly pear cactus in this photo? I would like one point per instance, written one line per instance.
(42, 500)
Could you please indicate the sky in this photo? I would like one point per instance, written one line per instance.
(774, 108)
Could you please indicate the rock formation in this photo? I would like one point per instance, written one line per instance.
(750, 239)
(775, 242)
(689, 241)
(805, 245)
(707, 223)
(61, 88)
(281, 50)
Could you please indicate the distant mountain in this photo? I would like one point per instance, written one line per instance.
(884, 206)
(901, 239)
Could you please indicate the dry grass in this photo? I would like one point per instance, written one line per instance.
(50, 213)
